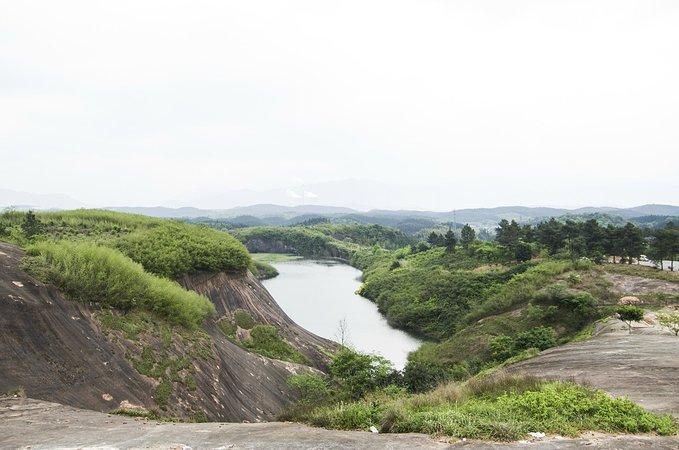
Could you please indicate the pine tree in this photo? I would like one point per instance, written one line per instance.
(435, 239)
(551, 235)
(467, 236)
(450, 241)
(632, 242)
(31, 225)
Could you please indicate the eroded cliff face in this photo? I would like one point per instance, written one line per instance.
(62, 351)
(230, 292)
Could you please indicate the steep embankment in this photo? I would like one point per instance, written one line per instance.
(232, 292)
(82, 355)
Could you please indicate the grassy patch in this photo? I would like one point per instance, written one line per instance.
(92, 273)
(263, 271)
(266, 342)
(274, 257)
(643, 271)
(243, 319)
(173, 249)
(498, 408)
(228, 327)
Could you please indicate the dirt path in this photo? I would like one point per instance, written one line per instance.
(35, 424)
(643, 366)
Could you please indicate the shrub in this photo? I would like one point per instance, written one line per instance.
(243, 319)
(173, 249)
(227, 327)
(91, 273)
(580, 302)
(421, 375)
(629, 314)
(670, 321)
(538, 337)
(310, 388)
(358, 373)
(497, 408)
(502, 347)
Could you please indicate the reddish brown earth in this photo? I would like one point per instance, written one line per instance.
(55, 350)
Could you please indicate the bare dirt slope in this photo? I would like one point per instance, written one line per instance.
(55, 350)
(36, 424)
(643, 366)
(630, 284)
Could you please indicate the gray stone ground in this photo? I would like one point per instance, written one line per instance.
(35, 424)
(643, 366)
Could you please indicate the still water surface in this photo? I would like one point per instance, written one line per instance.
(319, 294)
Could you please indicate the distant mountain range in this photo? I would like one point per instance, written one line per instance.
(479, 217)
(25, 200)
(407, 220)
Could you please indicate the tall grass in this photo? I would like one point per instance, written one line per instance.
(498, 407)
(519, 289)
(173, 249)
(164, 247)
(92, 273)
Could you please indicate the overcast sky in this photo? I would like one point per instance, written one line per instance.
(459, 103)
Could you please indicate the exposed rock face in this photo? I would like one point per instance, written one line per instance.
(55, 350)
(230, 292)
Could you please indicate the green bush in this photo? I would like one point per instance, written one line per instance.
(243, 319)
(502, 347)
(496, 408)
(358, 373)
(421, 375)
(629, 314)
(311, 388)
(173, 249)
(227, 327)
(538, 337)
(263, 271)
(91, 273)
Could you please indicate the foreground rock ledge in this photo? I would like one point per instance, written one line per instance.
(38, 424)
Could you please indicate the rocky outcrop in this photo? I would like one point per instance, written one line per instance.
(230, 292)
(55, 350)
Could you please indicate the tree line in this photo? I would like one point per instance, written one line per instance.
(623, 244)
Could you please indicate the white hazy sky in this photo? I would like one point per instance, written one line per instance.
(464, 103)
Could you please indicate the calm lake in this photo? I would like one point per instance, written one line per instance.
(319, 294)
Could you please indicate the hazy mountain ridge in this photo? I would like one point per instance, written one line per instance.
(470, 215)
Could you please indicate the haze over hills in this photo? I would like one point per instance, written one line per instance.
(268, 213)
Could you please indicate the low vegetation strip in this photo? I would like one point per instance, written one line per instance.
(303, 241)
(498, 408)
(93, 273)
(164, 247)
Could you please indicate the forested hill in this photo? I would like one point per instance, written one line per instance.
(409, 221)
